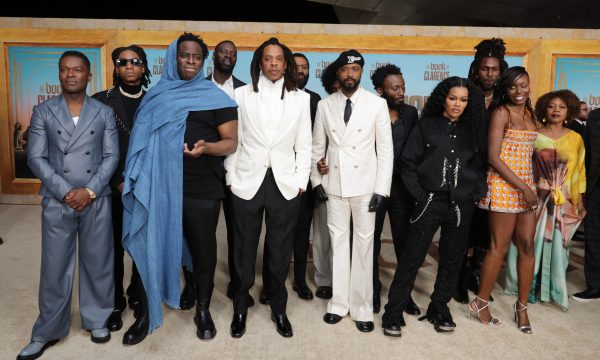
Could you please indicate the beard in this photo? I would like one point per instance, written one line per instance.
(349, 87)
(302, 81)
(392, 103)
(225, 69)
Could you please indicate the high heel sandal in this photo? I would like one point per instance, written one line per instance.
(526, 329)
(474, 310)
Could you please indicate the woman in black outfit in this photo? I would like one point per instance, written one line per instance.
(443, 167)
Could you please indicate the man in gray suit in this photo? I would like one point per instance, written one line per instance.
(73, 150)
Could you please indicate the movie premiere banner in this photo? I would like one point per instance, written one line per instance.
(422, 72)
(582, 76)
(33, 80)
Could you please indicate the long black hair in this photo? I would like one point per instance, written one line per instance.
(508, 79)
(472, 118)
(493, 47)
(290, 73)
(141, 54)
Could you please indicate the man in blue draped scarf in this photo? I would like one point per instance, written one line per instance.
(155, 191)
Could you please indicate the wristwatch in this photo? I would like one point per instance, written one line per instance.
(91, 193)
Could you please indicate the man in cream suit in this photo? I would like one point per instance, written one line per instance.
(74, 151)
(268, 174)
(356, 126)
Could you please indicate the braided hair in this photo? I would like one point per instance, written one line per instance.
(141, 54)
(291, 70)
(493, 47)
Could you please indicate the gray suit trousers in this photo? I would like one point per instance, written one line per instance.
(61, 227)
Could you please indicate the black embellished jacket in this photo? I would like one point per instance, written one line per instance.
(439, 157)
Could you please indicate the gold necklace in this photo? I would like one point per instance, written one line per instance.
(133, 96)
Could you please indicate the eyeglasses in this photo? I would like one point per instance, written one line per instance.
(125, 62)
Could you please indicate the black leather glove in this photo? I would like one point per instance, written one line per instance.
(376, 202)
(320, 194)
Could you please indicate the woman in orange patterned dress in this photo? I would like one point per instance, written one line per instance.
(511, 198)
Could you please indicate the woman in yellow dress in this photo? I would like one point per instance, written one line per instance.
(559, 172)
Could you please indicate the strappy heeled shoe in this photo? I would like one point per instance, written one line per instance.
(526, 329)
(474, 310)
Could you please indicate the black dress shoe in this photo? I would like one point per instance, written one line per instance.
(332, 318)
(100, 336)
(238, 325)
(264, 297)
(303, 291)
(324, 292)
(412, 308)
(284, 328)
(205, 327)
(441, 320)
(115, 323)
(365, 326)
(376, 303)
(394, 330)
(587, 295)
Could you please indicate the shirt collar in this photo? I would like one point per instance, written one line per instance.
(265, 83)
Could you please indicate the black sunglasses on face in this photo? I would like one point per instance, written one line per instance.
(125, 62)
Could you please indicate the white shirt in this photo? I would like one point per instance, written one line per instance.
(270, 109)
(75, 120)
(227, 86)
(352, 98)
(579, 121)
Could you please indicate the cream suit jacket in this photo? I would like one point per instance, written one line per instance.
(289, 153)
(361, 155)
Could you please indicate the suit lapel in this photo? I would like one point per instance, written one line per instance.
(356, 116)
(61, 112)
(88, 113)
(251, 104)
(290, 109)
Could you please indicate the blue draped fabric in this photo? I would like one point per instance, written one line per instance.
(152, 196)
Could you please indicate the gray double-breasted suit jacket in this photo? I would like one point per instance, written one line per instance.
(65, 156)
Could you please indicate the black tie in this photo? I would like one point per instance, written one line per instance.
(347, 111)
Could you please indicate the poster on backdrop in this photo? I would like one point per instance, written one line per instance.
(33, 80)
(581, 75)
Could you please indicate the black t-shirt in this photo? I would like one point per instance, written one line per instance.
(203, 176)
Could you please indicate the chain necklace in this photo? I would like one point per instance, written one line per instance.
(133, 96)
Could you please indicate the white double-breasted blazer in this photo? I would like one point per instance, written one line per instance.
(360, 155)
(288, 154)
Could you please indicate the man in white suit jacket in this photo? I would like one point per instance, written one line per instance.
(268, 173)
(356, 126)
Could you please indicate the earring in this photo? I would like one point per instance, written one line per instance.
(565, 122)
(544, 120)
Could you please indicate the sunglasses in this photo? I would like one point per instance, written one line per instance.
(125, 62)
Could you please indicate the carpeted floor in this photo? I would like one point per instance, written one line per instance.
(556, 334)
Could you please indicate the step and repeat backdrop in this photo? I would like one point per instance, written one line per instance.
(31, 70)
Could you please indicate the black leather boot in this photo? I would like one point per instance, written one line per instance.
(461, 294)
(205, 327)
(139, 330)
(188, 296)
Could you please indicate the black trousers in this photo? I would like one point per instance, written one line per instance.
(234, 280)
(119, 266)
(453, 240)
(479, 235)
(200, 218)
(399, 209)
(592, 238)
(301, 241)
(281, 219)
